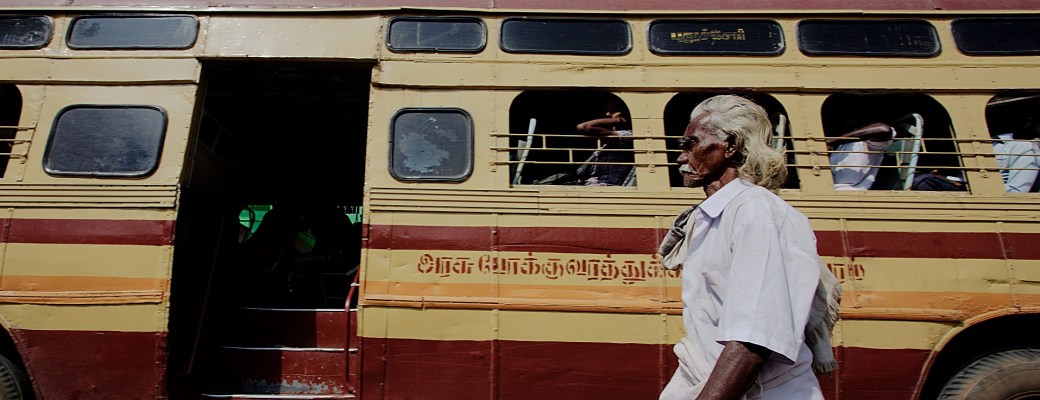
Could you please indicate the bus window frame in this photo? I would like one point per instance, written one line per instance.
(96, 174)
(985, 53)
(72, 27)
(813, 53)
(438, 110)
(479, 49)
(627, 50)
(46, 41)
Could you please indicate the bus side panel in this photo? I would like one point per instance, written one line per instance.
(505, 369)
(868, 374)
(94, 364)
(86, 302)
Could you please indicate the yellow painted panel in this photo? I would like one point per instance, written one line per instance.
(410, 323)
(93, 213)
(178, 101)
(891, 334)
(925, 275)
(433, 324)
(123, 318)
(70, 260)
(307, 36)
(101, 70)
(584, 327)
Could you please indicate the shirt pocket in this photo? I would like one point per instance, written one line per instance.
(715, 283)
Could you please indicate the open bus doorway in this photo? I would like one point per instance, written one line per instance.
(268, 233)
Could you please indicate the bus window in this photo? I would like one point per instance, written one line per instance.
(677, 117)
(107, 32)
(1014, 124)
(431, 144)
(10, 111)
(25, 32)
(436, 34)
(880, 38)
(566, 36)
(891, 142)
(548, 148)
(997, 36)
(115, 141)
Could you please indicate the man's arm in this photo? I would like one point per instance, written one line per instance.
(601, 126)
(735, 371)
(876, 131)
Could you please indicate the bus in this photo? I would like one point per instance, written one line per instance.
(331, 199)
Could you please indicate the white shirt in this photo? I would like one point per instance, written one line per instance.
(1016, 154)
(739, 284)
(857, 169)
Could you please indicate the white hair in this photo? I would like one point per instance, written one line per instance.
(748, 124)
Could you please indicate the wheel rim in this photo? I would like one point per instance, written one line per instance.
(1031, 395)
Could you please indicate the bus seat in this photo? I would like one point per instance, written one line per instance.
(780, 131)
(525, 148)
(907, 150)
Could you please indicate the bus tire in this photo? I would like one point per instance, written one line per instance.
(14, 383)
(1007, 375)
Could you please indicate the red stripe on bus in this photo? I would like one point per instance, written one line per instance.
(981, 245)
(88, 231)
(94, 365)
(432, 370)
(594, 5)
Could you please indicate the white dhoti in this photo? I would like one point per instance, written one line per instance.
(693, 371)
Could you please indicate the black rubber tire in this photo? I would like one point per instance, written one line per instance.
(1007, 375)
(14, 383)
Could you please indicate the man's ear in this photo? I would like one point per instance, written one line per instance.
(731, 149)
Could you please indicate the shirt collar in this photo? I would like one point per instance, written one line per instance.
(713, 205)
(1005, 136)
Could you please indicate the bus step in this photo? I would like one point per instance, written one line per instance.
(280, 371)
(285, 327)
(241, 396)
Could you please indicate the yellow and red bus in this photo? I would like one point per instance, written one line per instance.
(358, 199)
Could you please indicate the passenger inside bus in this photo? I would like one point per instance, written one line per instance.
(551, 153)
(856, 155)
(608, 166)
(1018, 156)
(883, 160)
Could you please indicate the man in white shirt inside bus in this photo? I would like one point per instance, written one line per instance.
(1018, 156)
(856, 155)
(750, 270)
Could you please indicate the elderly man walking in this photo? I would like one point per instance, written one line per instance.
(751, 276)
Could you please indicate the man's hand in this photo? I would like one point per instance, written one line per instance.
(735, 372)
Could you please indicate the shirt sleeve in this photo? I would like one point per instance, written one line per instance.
(1022, 156)
(767, 301)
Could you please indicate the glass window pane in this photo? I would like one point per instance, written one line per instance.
(106, 141)
(716, 37)
(903, 38)
(431, 144)
(447, 34)
(25, 31)
(133, 32)
(566, 36)
(997, 36)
